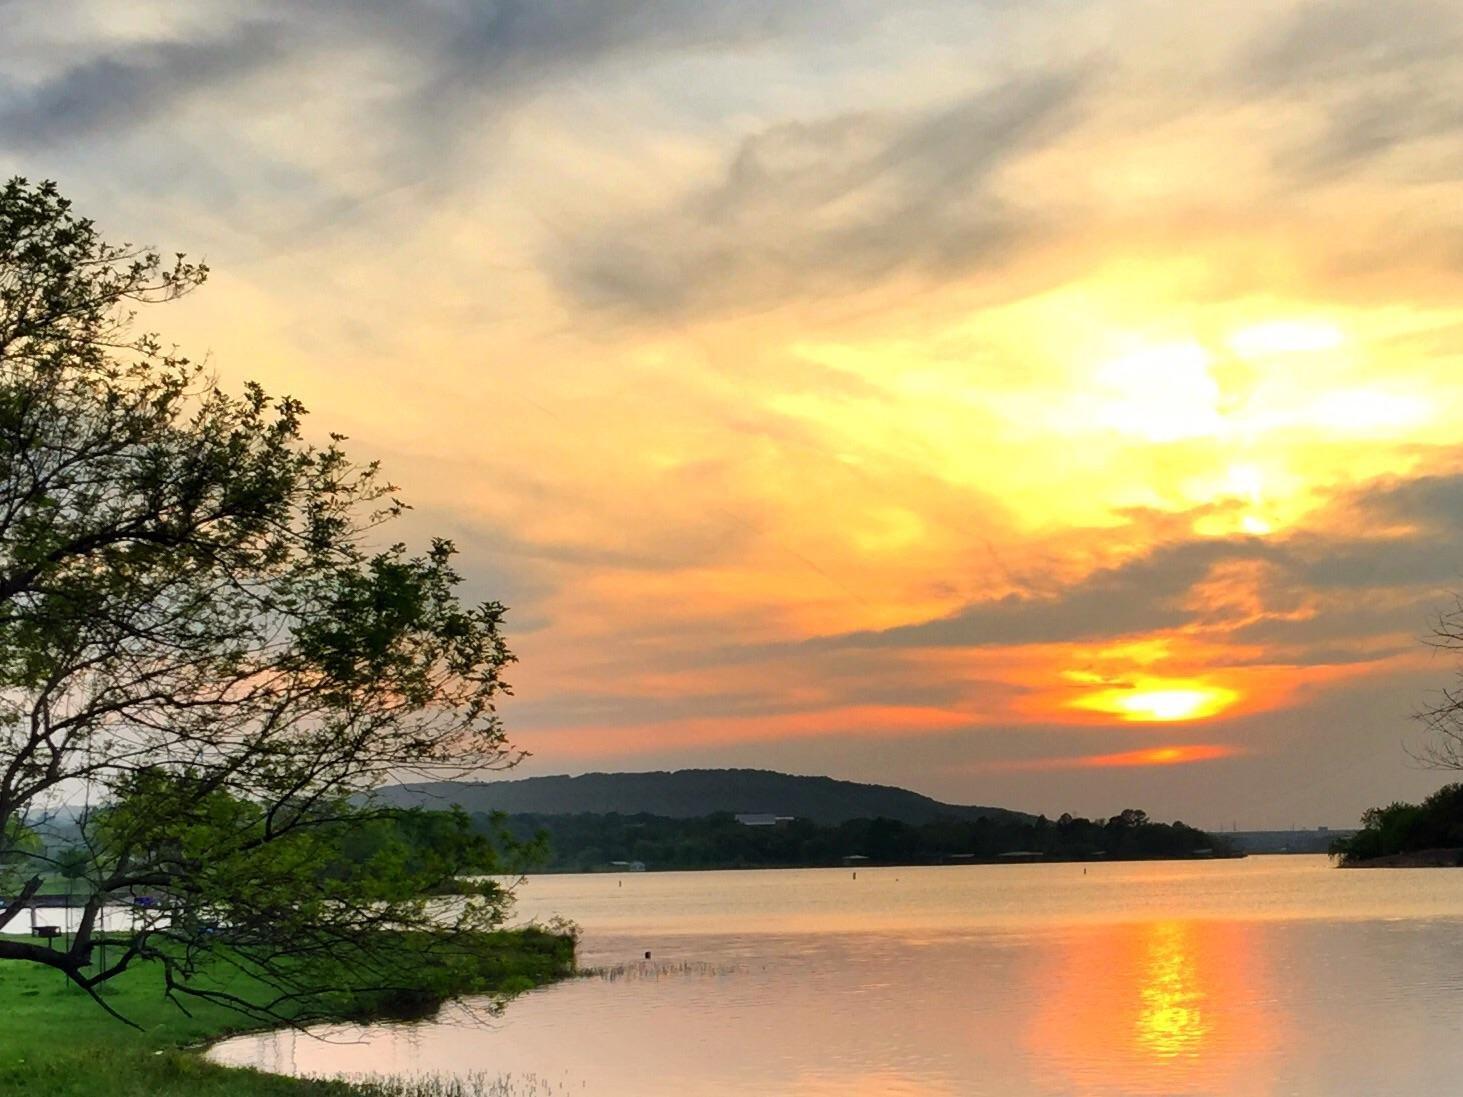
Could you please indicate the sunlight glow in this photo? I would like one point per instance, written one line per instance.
(1163, 394)
(1285, 337)
(1160, 702)
(1255, 525)
(1367, 411)
(1173, 704)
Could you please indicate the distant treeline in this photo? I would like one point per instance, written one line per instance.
(590, 842)
(1436, 823)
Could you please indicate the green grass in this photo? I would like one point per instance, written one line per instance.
(56, 1042)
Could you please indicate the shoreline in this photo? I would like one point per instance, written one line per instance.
(1013, 859)
(1422, 858)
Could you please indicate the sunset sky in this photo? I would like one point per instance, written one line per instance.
(1052, 405)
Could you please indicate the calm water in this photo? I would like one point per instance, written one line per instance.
(1271, 975)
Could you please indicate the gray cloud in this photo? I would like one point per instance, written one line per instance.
(468, 62)
(1358, 619)
(516, 40)
(1430, 557)
(1143, 595)
(129, 87)
(1435, 502)
(822, 205)
(1386, 73)
(422, 74)
(1340, 41)
(1304, 653)
(1378, 563)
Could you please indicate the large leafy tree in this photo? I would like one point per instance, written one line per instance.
(209, 652)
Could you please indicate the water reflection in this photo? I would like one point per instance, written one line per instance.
(879, 1083)
(1167, 1007)
(1171, 1017)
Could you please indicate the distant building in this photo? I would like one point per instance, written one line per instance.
(762, 819)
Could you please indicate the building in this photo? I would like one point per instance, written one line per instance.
(762, 819)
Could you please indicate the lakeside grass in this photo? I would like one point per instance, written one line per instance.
(56, 1042)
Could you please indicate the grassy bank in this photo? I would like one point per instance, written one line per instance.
(56, 1042)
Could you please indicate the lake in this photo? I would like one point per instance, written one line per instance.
(1268, 975)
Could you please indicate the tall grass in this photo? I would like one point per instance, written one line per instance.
(471, 1085)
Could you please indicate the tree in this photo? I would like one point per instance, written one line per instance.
(1128, 819)
(200, 646)
(1435, 824)
(1444, 721)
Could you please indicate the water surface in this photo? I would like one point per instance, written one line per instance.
(1270, 975)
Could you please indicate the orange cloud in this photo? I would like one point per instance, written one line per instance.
(1159, 756)
(1176, 755)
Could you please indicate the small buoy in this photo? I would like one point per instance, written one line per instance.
(647, 954)
(855, 875)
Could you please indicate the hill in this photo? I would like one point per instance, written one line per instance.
(692, 793)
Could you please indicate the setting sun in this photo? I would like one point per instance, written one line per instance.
(1161, 704)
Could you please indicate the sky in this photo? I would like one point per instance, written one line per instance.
(1043, 404)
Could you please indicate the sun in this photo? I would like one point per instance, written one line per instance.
(1160, 702)
(1173, 704)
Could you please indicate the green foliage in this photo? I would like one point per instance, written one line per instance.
(20, 846)
(582, 843)
(1436, 823)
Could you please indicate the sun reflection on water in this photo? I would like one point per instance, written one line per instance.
(1158, 1008)
(1171, 1020)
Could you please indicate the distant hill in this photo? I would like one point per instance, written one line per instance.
(690, 793)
